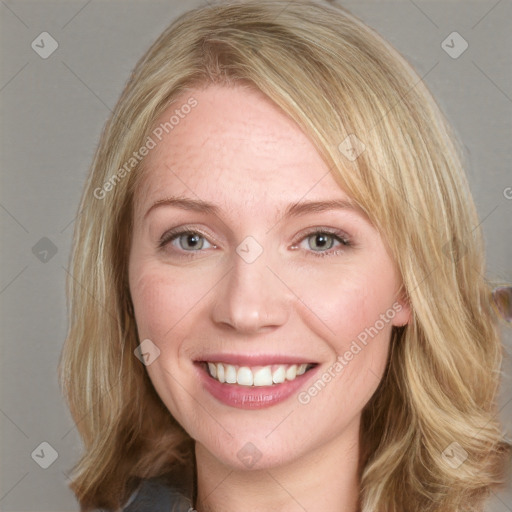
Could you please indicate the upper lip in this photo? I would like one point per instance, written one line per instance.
(253, 359)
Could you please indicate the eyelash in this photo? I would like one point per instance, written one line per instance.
(340, 236)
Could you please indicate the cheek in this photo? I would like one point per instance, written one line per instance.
(343, 304)
(162, 299)
(354, 313)
(163, 305)
(153, 305)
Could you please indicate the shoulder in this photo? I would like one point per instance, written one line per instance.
(166, 493)
(155, 495)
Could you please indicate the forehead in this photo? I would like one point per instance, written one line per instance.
(235, 145)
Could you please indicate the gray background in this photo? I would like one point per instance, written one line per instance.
(53, 111)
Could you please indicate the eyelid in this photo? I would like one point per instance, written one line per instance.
(341, 236)
(324, 229)
(181, 230)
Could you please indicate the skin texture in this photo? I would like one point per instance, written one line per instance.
(238, 150)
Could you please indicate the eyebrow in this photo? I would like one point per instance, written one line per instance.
(293, 210)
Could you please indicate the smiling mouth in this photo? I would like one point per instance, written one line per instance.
(255, 376)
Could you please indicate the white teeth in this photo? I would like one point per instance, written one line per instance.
(301, 369)
(230, 373)
(256, 376)
(213, 369)
(220, 372)
(279, 376)
(291, 372)
(244, 376)
(263, 376)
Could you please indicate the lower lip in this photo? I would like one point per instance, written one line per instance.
(252, 397)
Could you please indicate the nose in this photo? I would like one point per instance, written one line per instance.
(253, 297)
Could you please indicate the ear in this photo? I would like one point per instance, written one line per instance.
(402, 308)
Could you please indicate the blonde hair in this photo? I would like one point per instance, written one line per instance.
(336, 78)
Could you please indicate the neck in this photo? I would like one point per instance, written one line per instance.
(326, 479)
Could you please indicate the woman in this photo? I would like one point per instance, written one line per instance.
(277, 294)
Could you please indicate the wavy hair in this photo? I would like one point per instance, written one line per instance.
(336, 78)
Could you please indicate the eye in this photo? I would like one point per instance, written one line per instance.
(322, 240)
(184, 240)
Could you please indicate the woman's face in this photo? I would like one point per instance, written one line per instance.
(253, 295)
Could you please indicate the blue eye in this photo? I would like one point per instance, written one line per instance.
(187, 240)
(190, 242)
(324, 241)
